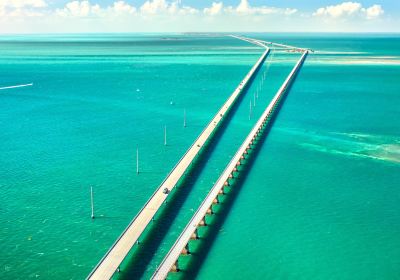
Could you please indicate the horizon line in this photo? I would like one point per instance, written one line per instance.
(202, 32)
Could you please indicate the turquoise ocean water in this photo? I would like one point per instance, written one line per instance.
(320, 199)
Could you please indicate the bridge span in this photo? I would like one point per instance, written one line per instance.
(266, 43)
(111, 261)
(181, 246)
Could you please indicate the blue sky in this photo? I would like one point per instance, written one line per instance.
(36, 16)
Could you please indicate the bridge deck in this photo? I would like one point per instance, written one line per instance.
(116, 254)
(176, 250)
(265, 43)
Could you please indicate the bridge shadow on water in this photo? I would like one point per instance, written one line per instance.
(153, 237)
(197, 257)
(193, 264)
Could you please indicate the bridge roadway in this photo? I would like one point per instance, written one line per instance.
(265, 43)
(170, 262)
(249, 40)
(111, 261)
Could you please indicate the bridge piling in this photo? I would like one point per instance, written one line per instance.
(92, 201)
(173, 254)
(203, 222)
(186, 250)
(175, 267)
(184, 117)
(130, 236)
(195, 235)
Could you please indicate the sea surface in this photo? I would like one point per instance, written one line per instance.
(320, 198)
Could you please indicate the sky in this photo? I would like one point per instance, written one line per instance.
(76, 16)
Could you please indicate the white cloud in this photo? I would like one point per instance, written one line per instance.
(343, 9)
(82, 9)
(186, 10)
(21, 8)
(215, 9)
(349, 9)
(162, 7)
(18, 4)
(121, 7)
(19, 14)
(244, 8)
(374, 11)
(154, 6)
(79, 9)
(172, 16)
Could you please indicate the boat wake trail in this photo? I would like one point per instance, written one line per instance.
(16, 86)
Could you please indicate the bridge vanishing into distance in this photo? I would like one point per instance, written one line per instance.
(181, 246)
(118, 251)
(112, 260)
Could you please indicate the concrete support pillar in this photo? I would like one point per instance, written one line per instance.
(203, 222)
(195, 235)
(216, 200)
(221, 191)
(226, 184)
(186, 250)
(175, 267)
(210, 211)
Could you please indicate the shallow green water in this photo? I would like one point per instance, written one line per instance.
(320, 200)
